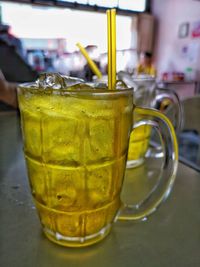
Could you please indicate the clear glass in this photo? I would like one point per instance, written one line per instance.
(75, 144)
(146, 94)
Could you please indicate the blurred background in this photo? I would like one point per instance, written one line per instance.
(44, 35)
(41, 35)
(49, 31)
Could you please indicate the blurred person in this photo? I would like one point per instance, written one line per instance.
(38, 63)
(11, 40)
(8, 92)
(48, 61)
(145, 65)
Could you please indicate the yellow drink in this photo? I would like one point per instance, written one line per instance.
(75, 148)
(139, 141)
(138, 145)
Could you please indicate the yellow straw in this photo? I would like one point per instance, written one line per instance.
(111, 25)
(90, 62)
(113, 48)
(109, 48)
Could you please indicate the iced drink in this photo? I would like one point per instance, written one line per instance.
(75, 145)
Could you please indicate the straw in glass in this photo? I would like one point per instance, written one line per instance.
(90, 62)
(111, 33)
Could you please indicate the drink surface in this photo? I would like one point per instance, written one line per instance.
(75, 149)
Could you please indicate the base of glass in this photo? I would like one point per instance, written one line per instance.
(68, 241)
(134, 163)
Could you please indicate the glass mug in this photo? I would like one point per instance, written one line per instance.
(75, 144)
(146, 94)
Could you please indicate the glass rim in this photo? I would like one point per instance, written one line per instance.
(96, 91)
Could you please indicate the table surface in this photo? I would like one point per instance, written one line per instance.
(170, 237)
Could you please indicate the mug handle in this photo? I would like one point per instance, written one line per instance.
(167, 135)
(171, 95)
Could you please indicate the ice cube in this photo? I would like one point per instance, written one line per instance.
(70, 224)
(56, 81)
(120, 84)
(100, 142)
(62, 137)
(57, 187)
(96, 220)
(37, 176)
(104, 181)
(100, 183)
(72, 81)
(66, 187)
(31, 133)
(80, 86)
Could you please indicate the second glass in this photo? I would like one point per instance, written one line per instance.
(146, 94)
